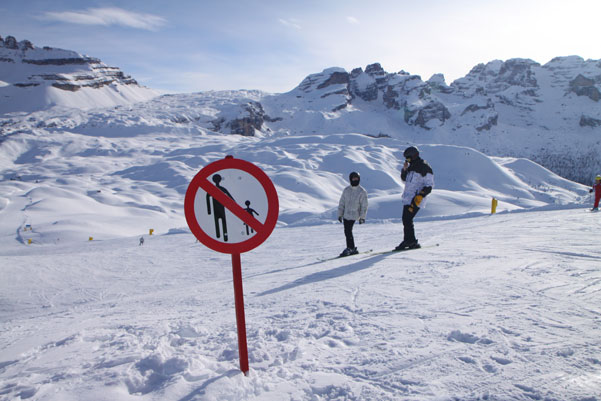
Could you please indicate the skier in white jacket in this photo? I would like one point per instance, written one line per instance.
(419, 180)
(352, 207)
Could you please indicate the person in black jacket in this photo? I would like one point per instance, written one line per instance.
(419, 181)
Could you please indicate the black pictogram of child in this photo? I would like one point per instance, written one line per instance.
(250, 211)
(218, 208)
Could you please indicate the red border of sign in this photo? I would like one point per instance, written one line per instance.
(263, 230)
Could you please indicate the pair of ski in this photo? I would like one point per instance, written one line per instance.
(372, 253)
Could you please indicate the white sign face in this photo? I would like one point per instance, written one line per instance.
(216, 220)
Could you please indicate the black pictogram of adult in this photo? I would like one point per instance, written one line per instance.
(250, 211)
(218, 208)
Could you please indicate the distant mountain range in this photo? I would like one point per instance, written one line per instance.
(548, 113)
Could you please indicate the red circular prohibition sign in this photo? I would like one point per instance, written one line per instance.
(263, 230)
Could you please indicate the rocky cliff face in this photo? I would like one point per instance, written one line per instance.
(78, 71)
(25, 68)
(516, 107)
(402, 92)
(488, 95)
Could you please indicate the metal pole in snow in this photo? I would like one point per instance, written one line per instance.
(240, 320)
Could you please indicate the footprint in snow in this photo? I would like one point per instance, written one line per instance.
(467, 338)
(501, 361)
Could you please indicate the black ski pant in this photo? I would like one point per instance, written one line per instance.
(348, 233)
(409, 230)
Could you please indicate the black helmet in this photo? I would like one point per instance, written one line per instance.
(411, 153)
(354, 178)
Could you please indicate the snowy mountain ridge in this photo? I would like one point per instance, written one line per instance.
(132, 162)
(33, 78)
(519, 108)
(549, 113)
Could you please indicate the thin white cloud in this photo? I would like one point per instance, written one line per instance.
(108, 16)
(352, 20)
(290, 23)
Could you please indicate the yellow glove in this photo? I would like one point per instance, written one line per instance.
(417, 199)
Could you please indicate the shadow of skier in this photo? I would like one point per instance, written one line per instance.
(328, 274)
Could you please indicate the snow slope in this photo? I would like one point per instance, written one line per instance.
(506, 308)
(58, 182)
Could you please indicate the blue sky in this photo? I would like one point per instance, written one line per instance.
(191, 46)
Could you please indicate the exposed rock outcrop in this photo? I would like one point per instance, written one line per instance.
(250, 119)
(337, 77)
(247, 125)
(424, 116)
(583, 86)
(586, 121)
(77, 71)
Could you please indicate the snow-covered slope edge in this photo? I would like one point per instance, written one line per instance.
(71, 186)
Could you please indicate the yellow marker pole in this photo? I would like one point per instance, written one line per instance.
(493, 208)
(29, 241)
(150, 231)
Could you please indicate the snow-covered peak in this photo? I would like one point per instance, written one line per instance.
(568, 62)
(33, 78)
(437, 79)
(497, 76)
(11, 43)
(318, 81)
(25, 50)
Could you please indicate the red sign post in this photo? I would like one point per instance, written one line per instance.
(218, 221)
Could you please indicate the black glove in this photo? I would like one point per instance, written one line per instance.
(590, 191)
(340, 219)
(361, 221)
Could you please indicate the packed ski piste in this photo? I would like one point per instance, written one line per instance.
(500, 306)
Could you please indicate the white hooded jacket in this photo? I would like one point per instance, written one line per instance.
(353, 203)
(416, 179)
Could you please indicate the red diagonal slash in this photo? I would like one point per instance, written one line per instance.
(231, 205)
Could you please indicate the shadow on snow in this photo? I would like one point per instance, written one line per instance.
(328, 274)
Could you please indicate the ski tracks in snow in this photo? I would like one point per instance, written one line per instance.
(510, 317)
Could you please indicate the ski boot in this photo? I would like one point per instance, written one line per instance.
(414, 245)
(349, 252)
(346, 252)
(407, 245)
